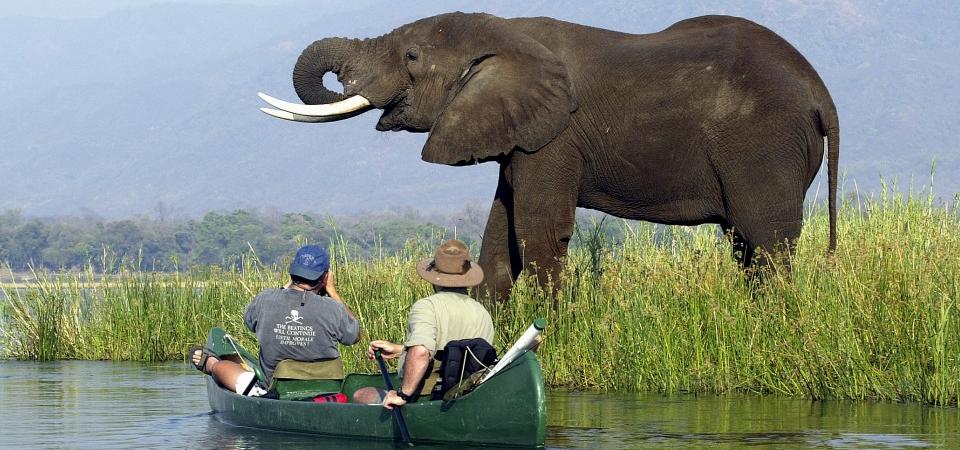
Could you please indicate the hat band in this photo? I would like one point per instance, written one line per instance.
(464, 268)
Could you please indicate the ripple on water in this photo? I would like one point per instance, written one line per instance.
(78, 404)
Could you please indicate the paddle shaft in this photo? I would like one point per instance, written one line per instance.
(527, 341)
(243, 361)
(396, 410)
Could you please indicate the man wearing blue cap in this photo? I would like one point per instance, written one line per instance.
(302, 322)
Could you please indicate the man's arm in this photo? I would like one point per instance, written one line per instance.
(421, 339)
(349, 326)
(331, 289)
(414, 369)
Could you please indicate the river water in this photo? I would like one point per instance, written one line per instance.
(82, 404)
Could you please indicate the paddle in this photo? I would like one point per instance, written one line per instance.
(527, 341)
(396, 411)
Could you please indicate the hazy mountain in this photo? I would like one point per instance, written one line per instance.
(157, 104)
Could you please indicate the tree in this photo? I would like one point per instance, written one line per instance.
(221, 238)
(28, 244)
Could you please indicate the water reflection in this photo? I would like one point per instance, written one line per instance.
(229, 437)
(74, 404)
(649, 421)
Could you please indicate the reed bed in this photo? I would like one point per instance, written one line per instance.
(664, 310)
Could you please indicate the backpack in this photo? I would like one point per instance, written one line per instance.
(460, 359)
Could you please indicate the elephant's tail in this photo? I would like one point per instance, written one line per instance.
(832, 128)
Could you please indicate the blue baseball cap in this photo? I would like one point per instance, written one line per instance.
(311, 262)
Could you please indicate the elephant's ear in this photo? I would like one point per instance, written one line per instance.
(515, 93)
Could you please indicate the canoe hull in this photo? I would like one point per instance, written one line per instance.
(507, 410)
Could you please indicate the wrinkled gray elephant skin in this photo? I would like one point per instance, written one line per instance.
(713, 120)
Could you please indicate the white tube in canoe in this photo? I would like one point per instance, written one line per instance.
(527, 341)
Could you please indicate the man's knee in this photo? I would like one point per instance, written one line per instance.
(245, 384)
(369, 395)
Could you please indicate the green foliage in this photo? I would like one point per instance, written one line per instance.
(651, 309)
(218, 238)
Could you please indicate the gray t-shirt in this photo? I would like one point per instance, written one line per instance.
(298, 325)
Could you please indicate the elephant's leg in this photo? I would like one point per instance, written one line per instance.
(764, 164)
(769, 233)
(544, 210)
(542, 237)
(781, 240)
(742, 251)
(500, 265)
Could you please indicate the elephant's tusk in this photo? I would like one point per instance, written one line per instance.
(301, 118)
(353, 104)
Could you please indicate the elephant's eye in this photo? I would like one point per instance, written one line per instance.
(412, 54)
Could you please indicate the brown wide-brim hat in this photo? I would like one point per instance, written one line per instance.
(451, 266)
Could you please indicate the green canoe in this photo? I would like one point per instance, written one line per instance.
(507, 410)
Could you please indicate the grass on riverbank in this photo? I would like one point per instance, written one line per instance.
(880, 320)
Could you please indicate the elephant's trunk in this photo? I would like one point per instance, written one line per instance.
(321, 104)
(325, 55)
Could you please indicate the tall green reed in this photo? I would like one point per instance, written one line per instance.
(665, 309)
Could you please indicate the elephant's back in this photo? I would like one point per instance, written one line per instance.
(744, 55)
(707, 53)
(666, 99)
(746, 42)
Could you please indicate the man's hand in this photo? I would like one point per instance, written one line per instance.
(392, 399)
(329, 285)
(389, 350)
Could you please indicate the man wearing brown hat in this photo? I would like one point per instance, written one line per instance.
(447, 315)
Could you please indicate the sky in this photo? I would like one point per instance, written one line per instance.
(171, 87)
(76, 9)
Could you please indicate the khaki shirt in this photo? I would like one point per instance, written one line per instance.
(443, 317)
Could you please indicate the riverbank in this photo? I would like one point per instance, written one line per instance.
(879, 320)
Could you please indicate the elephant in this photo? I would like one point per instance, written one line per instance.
(715, 119)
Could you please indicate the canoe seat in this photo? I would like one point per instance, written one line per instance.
(294, 380)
